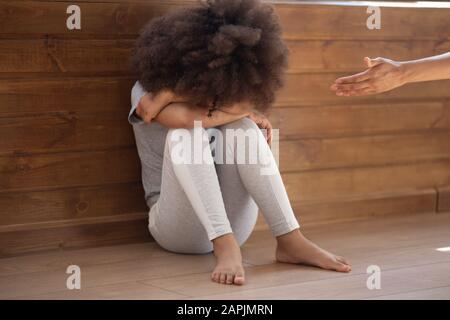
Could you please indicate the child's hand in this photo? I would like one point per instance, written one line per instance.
(263, 123)
(150, 106)
(145, 109)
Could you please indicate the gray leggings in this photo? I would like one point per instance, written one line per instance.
(200, 202)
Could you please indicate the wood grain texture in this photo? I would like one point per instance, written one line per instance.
(22, 208)
(349, 22)
(53, 55)
(69, 170)
(360, 119)
(440, 293)
(54, 260)
(410, 264)
(98, 94)
(317, 21)
(45, 17)
(380, 150)
(443, 199)
(73, 234)
(316, 131)
(352, 287)
(326, 185)
(64, 131)
(346, 55)
(25, 173)
(112, 56)
(350, 208)
(314, 88)
(106, 93)
(57, 170)
(404, 203)
(132, 290)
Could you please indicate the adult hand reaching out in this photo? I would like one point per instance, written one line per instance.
(384, 74)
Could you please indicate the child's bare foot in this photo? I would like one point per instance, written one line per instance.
(293, 247)
(229, 269)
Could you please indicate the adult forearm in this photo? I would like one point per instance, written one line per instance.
(427, 69)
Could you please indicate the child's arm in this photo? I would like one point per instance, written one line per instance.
(182, 115)
(150, 106)
(145, 106)
(173, 112)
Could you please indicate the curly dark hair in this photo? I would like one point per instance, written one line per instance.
(218, 53)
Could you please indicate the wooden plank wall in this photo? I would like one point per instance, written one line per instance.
(69, 171)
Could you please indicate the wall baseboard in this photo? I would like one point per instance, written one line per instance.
(69, 234)
(403, 202)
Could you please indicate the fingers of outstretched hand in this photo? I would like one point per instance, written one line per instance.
(359, 77)
(357, 92)
(344, 89)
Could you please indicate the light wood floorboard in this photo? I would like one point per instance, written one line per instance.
(403, 247)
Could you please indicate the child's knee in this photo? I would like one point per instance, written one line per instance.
(181, 144)
(177, 135)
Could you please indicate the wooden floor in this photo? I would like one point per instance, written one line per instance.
(403, 247)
